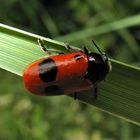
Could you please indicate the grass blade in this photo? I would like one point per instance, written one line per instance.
(119, 95)
(116, 25)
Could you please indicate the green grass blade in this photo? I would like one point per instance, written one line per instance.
(18, 48)
(118, 95)
(116, 25)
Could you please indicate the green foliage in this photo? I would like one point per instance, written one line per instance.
(24, 116)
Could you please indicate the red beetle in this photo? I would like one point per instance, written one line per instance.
(66, 73)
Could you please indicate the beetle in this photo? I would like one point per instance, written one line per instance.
(66, 73)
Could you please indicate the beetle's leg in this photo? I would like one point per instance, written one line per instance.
(44, 48)
(75, 96)
(68, 47)
(95, 95)
(42, 45)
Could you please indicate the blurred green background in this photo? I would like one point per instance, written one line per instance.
(24, 116)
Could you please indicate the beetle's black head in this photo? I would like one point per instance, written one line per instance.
(98, 67)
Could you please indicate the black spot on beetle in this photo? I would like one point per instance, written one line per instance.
(53, 90)
(47, 70)
(77, 57)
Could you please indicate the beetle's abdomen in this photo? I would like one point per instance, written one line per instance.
(60, 74)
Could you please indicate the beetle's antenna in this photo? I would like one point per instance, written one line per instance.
(97, 47)
(85, 50)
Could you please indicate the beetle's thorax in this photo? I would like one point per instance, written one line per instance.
(98, 67)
